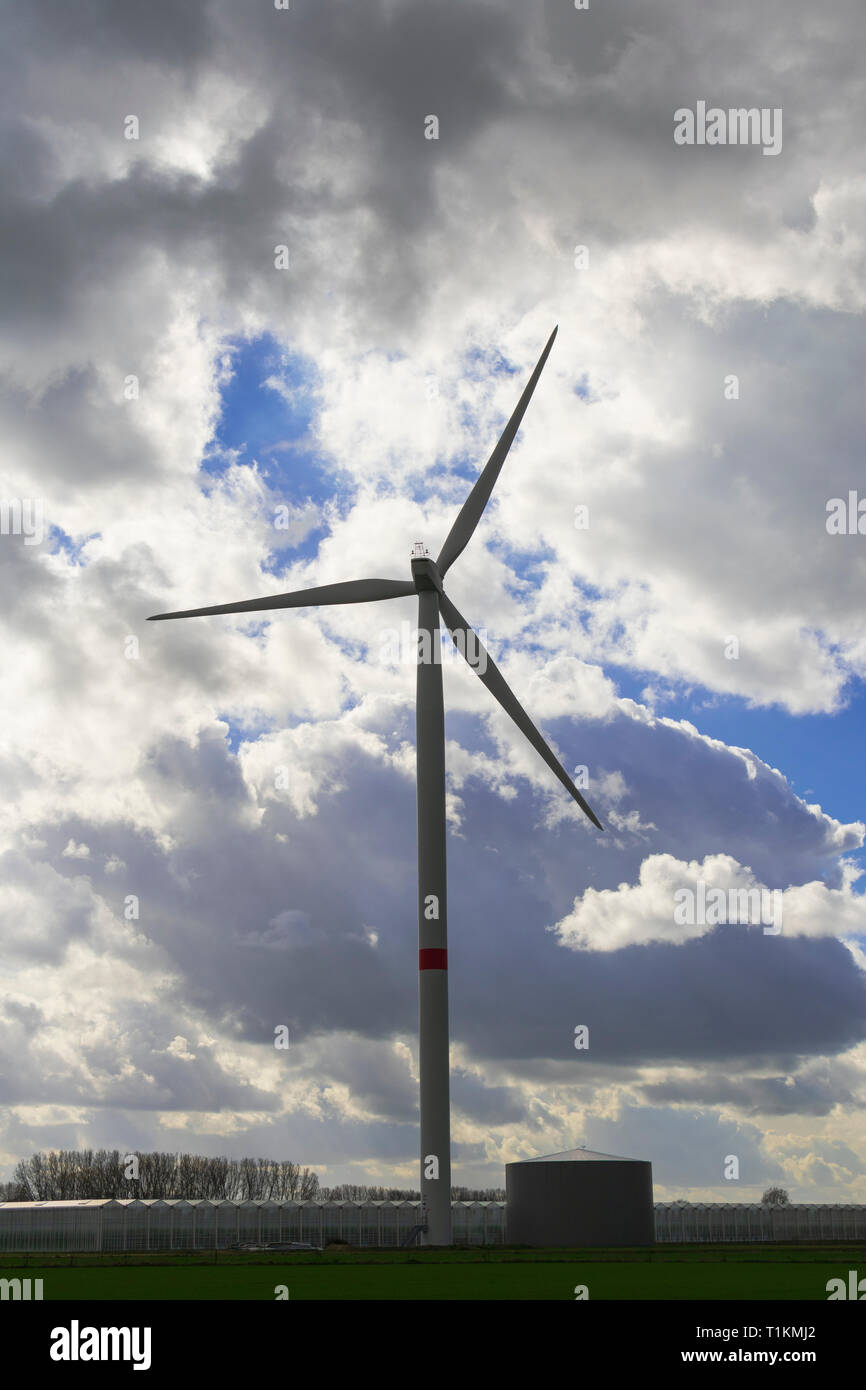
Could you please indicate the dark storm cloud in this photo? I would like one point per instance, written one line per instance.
(489, 1105)
(516, 993)
(724, 996)
(689, 1149)
(157, 31)
(379, 70)
(71, 429)
(378, 1081)
(752, 1095)
(382, 69)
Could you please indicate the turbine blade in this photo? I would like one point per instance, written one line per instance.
(352, 591)
(499, 689)
(470, 513)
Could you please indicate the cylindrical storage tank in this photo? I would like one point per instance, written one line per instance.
(579, 1198)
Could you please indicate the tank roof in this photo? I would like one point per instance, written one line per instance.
(581, 1155)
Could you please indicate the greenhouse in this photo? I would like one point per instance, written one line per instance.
(721, 1221)
(138, 1224)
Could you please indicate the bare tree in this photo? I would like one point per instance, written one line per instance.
(64, 1174)
(775, 1197)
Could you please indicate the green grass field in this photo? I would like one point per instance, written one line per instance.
(667, 1272)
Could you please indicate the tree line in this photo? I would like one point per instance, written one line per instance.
(350, 1191)
(74, 1174)
(69, 1174)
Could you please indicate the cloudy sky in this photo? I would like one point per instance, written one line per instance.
(207, 829)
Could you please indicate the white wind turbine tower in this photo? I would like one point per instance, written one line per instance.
(433, 603)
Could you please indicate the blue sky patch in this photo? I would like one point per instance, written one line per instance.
(60, 540)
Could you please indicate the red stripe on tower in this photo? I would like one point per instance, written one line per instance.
(432, 958)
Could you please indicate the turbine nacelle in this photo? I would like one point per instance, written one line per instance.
(425, 571)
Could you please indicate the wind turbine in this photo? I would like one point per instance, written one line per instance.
(433, 603)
